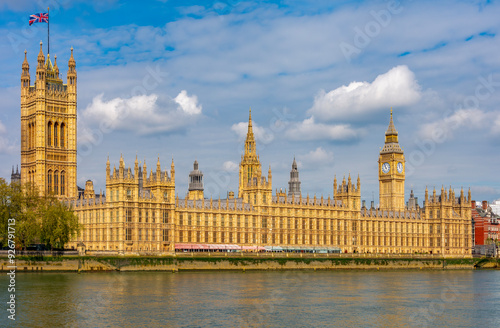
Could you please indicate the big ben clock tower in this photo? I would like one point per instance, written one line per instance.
(391, 172)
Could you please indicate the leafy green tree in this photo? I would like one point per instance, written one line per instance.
(59, 223)
(38, 219)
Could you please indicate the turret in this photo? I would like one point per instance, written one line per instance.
(56, 68)
(25, 76)
(195, 183)
(107, 169)
(172, 170)
(121, 167)
(270, 177)
(334, 185)
(89, 190)
(72, 78)
(158, 169)
(294, 182)
(40, 70)
(136, 168)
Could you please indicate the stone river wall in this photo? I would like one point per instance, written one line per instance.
(188, 263)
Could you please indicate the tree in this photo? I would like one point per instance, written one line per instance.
(38, 219)
(59, 223)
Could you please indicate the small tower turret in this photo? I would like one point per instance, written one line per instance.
(294, 183)
(172, 170)
(195, 183)
(40, 70)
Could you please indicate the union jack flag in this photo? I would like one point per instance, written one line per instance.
(39, 18)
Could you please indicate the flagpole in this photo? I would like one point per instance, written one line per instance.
(48, 31)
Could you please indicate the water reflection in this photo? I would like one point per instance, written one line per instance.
(258, 299)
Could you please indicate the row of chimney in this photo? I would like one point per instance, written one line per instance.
(484, 204)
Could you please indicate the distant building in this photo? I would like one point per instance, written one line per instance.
(485, 223)
(15, 177)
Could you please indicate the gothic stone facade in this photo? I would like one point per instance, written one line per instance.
(140, 214)
(48, 128)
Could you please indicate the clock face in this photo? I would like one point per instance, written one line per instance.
(400, 167)
(386, 167)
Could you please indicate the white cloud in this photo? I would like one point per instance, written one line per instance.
(230, 166)
(316, 157)
(397, 87)
(309, 130)
(444, 128)
(142, 115)
(262, 135)
(188, 104)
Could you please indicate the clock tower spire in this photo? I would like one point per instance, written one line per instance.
(391, 172)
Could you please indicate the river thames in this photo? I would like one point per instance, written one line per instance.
(256, 299)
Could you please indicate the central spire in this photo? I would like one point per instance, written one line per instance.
(250, 140)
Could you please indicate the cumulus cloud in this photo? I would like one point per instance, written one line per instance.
(310, 130)
(262, 135)
(316, 157)
(443, 129)
(188, 104)
(142, 115)
(230, 166)
(397, 87)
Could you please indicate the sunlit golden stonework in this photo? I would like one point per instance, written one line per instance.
(48, 128)
(140, 214)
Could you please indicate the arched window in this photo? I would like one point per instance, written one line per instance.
(49, 181)
(30, 129)
(49, 134)
(56, 183)
(33, 129)
(62, 135)
(56, 128)
(63, 181)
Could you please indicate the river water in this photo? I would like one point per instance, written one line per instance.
(256, 299)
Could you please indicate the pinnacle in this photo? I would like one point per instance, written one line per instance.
(391, 130)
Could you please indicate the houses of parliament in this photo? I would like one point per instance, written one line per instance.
(139, 213)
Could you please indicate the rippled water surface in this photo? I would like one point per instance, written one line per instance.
(256, 299)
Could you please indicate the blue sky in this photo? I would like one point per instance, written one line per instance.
(176, 79)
